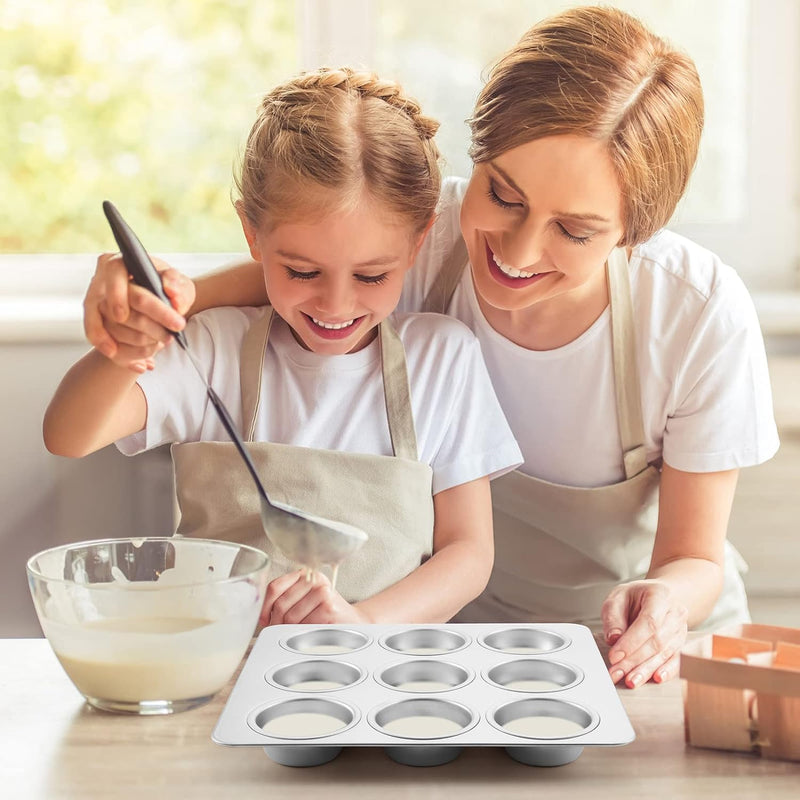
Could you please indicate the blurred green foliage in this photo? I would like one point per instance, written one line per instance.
(146, 104)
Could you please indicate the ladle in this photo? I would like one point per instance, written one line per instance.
(306, 539)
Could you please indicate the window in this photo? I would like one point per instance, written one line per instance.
(143, 103)
(106, 98)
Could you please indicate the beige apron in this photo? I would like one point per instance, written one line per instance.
(559, 550)
(389, 497)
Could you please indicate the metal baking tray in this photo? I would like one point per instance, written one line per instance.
(424, 693)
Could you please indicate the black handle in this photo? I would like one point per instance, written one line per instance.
(137, 262)
(227, 423)
(144, 273)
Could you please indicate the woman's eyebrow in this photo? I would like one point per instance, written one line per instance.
(508, 179)
(581, 217)
(587, 217)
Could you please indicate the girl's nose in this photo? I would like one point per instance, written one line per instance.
(336, 298)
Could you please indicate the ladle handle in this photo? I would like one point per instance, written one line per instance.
(137, 261)
(229, 426)
(144, 273)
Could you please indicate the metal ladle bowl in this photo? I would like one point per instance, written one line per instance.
(306, 538)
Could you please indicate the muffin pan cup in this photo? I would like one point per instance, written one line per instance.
(426, 693)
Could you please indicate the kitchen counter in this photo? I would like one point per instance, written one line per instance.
(54, 746)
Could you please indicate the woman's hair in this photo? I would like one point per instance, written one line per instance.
(324, 137)
(599, 72)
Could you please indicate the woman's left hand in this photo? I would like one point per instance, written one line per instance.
(295, 599)
(646, 626)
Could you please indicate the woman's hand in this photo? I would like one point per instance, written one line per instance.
(127, 323)
(646, 622)
(295, 598)
(646, 625)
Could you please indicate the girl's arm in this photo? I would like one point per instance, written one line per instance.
(96, 403)
(457, 572)
(646, 622)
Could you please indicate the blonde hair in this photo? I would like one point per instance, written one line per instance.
(599, 72)
(325, 136)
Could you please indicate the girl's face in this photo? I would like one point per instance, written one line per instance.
(335, 279)
(540, 220)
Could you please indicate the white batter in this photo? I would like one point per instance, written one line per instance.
(303, 725)
(126, 659)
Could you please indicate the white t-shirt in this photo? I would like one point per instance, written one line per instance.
(335, 402)
(706, 395)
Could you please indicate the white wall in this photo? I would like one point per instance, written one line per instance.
(47, 500)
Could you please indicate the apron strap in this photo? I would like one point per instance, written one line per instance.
(395, 383)
(396, 393)
(626, 372)
(254, 351)
(441, 292)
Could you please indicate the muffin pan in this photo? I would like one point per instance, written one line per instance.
(424, 693)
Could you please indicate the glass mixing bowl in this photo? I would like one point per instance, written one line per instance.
(151, 625)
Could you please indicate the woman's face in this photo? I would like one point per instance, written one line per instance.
(540, 220)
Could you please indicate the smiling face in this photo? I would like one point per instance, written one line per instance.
(539, 222)
(335, 278)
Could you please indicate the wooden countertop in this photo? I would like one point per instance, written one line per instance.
(53, 746)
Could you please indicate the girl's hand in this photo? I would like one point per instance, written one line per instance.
(129, 324)
(646, 626)
(294, 599)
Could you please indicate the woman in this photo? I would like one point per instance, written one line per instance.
(627, 359)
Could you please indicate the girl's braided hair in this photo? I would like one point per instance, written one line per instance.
(325, 136)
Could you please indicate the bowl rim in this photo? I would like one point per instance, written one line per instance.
(145, 585)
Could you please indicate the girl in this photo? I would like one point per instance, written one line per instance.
(627, 359)
(390, 426)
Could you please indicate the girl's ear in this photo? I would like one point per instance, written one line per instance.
(422, 236)
(250, 233)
